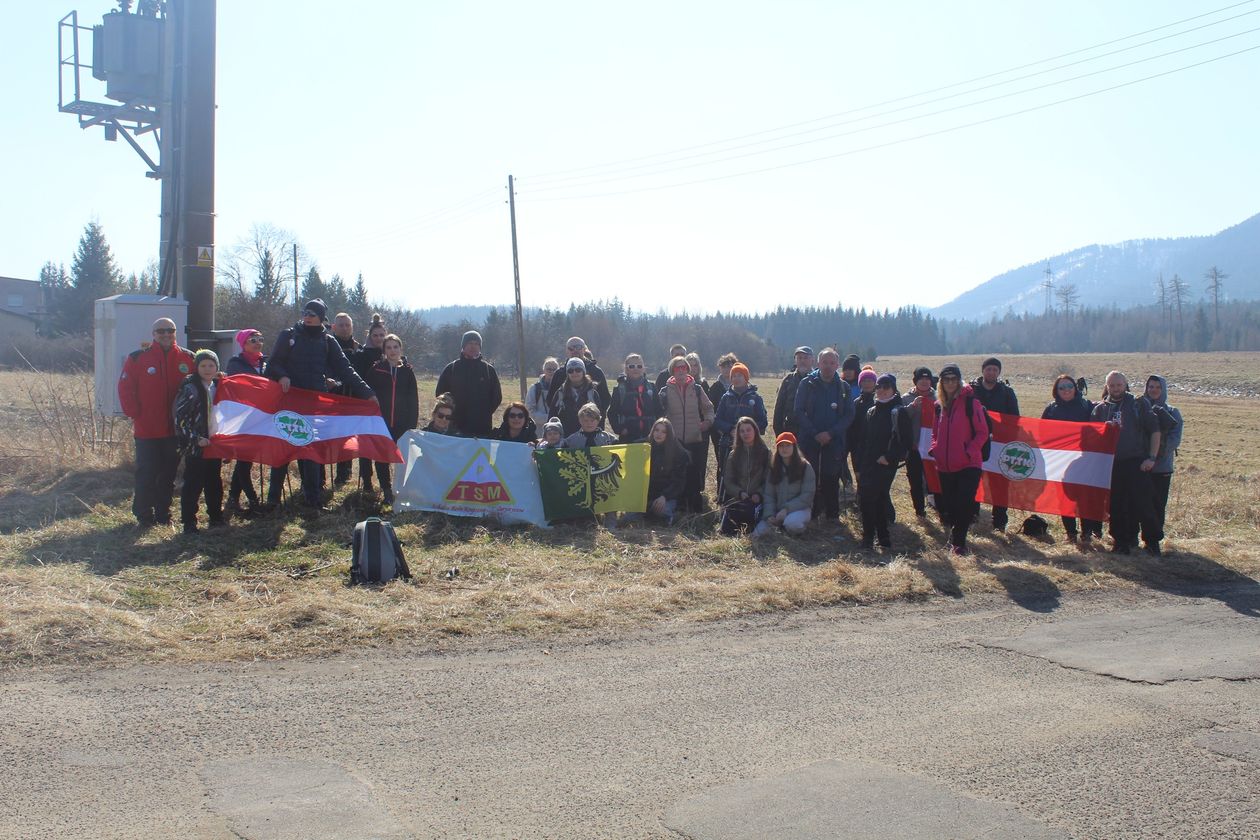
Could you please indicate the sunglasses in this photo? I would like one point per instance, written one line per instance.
(443, 415)
(309, 314)
(634, 367)
(1066, 386)
(255, 340)
(515, 415)
(949, 377)
(166, 330)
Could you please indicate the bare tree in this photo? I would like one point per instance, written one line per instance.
(1177, 291)
(1161, 295)
(262, 261)
(1068, 297)
(1215, 285)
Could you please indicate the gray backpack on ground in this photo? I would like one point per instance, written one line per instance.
(378, 555)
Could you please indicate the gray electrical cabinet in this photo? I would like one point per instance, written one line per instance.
(124, 323)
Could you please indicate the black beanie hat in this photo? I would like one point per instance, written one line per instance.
(921, 372)
(951, 369)
(851, 362)
(317, 306)
(992, 360)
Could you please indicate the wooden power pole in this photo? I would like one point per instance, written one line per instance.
(516, 276)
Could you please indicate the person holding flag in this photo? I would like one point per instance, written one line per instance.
(1070, 405)
(958, 438)
(920, 403)
(1132, 500)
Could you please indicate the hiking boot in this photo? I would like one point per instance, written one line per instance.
(190, 527)
(958, 550)
(1152, 548)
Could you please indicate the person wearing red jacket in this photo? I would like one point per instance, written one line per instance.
(958, 437)
(150, 380)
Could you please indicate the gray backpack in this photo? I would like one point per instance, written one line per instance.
(378, 555)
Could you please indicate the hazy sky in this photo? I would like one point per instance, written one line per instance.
(382, 135)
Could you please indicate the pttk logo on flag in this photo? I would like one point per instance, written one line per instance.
(253, 420)
(1046, 466)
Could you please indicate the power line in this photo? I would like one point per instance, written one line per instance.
(615, 178)
(421, 220)
(352, 246)
(904, 140)
(549, 175)
(555, 183)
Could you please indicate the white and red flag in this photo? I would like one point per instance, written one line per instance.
(1046, 466)
(253, 420)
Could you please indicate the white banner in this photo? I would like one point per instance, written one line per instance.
(468, 477)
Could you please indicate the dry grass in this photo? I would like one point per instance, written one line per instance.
(79, 583)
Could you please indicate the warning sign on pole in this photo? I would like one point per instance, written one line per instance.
(205, 256)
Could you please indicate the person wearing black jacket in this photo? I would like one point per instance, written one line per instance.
(474, 384)
(634, 407)
(998, 396)
(192, 429)
(517, 425)
(576, 348)
(784, 419)
(1132, 499)
(362, 361)
(576, 390)
(885, 441)
(394, 381)
(1070, 405)
(307, 356)
(253, 362)
(667, 478)
(343, 332)
(662, 378)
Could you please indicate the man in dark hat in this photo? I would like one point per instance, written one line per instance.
(995, 395)
(474, 384)
(785, 402)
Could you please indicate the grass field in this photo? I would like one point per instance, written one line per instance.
(80, 583)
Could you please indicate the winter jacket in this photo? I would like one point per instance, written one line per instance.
(475, 386)
(915, 413)
(566, 401)
(878, 438)
(785, 404)
(668, 476)
(151, 377)
(350, 348)
(1170, 424)
(857, 429)
(238, 364)
(364, 358)
(716, 390)
(585, 440)
(310, 355)
(789, 495)
(596, 374)
(823, 407)
(536, 402)
(745, 476)
(1137, 423)
(399, 394)
(686, 409)
(451, 430)
(1001, 398)
(732, 406)
(529, 432)
(191, 413)
(633, 409)
(957, 439)
(1075, 410)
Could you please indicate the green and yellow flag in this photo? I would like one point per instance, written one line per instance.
(577, 483)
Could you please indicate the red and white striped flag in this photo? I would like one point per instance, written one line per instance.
(1047, 466)
(253, 420)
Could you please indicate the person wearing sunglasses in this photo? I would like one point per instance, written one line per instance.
(536, 398)
(958, 438)
(442, 418)
(251, 361)
(517, 425)
(1070, 405)
(151, 378)
(575, 349)
(634, 405)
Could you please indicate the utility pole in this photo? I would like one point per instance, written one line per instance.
(297, 293)
(1048, 285)
(516, 275)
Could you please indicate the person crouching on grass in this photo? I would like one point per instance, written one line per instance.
(441, 420)
(192, 428)
(667, 479)
(589, 434)
(788, 500)
(744, 478)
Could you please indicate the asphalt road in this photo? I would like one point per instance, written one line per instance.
(1106, 715)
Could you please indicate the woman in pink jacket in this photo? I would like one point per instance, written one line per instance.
(958, 436)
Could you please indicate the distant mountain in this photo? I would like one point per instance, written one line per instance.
(1122, 274)
(436, 316)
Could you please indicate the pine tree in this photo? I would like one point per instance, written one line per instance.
(269, 287)
(54, 286)
(335, 294)
(93, 274)
(313, 287)
(356, 301)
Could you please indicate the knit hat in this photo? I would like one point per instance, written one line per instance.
(742, 369)
(553, 424)
(867, 375)
(992, 360)
(786, 437)
(316, 307)
(851, 362)
(205, 354)
(886, 380)
(471, 335)
(951, 369)
(575, 364)
(921, 372)
(243, 336)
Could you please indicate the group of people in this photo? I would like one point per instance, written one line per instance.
(838, 426)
